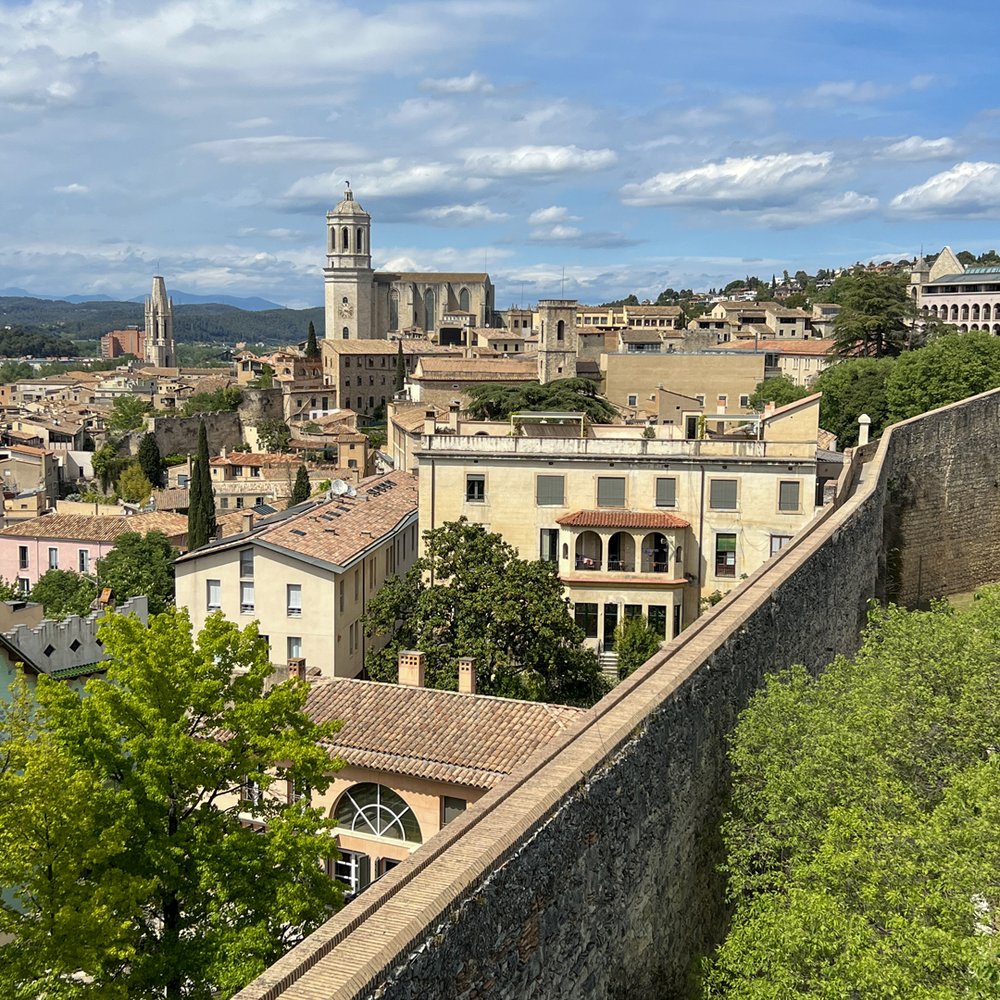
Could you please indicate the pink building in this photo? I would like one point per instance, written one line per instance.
(74, 541)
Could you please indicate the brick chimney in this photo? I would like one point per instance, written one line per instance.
(248, 521)
(430, 421)
(467, 675)
(453, 408)
(411, 668)
(297, 668)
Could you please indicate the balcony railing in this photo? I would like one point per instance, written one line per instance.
(585, 562)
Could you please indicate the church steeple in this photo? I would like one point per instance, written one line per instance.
(159, 328)
(348, 239)
(348, 274)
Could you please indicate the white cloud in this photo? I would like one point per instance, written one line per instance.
(539, 160)
(916, 148)
(474, 83)
(556, 233)
(391, 177)
(967, 189)
(848, 205)
(737, 183)
(461, 215)
(837, 92)
(262, 122)
(38, 77)
(73, 188)
(554, 213)
(277, 149)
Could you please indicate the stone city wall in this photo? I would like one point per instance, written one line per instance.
(592, 872)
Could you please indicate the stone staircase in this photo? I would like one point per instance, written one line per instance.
(608, 660)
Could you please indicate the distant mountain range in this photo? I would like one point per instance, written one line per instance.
(181, 298)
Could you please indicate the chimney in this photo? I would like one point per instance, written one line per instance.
(430, 421)
(297, 668)
(453, 416)
(248, 520)
(864, 429)
(411, 668)
(467, 675)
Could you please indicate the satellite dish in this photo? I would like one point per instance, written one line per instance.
(339, 488)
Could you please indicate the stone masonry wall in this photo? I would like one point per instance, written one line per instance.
(592, 872)
(179, 435)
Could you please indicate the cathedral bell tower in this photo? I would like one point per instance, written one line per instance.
(159, 319)
(348, 276)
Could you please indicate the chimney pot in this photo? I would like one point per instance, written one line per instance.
(297, 668)
(248, 521)
(467, 675)
(411, 668)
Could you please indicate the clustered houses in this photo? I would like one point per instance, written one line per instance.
(308, 573)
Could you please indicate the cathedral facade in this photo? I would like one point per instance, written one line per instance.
(364, 304)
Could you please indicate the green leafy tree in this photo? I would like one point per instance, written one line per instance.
(862, 854)
(312, 348)
(150, 460)
(470, 595)
(108, 466)
(128, 413)
(946, 370)
(302, 487)
(218, 401)
(852, 387)
(139, 565)
(9, 591)
(874, 308)
(133, 486)
(273, 434)
(779, 389)
(635, 642)
(181, 898)
(61, 592)
(202, 526)
(400, 380)
(498, 402)
(265, 380)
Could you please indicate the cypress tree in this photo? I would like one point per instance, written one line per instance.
(312, 348)
(302, 487)
(400, 368)
(201, 510)
(150, 460)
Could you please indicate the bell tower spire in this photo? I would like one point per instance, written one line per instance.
(348, 275)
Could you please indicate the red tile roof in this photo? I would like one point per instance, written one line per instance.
(471, 740)
(621, 519)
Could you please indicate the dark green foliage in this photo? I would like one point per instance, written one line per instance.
(629, 300)
(11, 371)
(852, 387)
(127, 414)
(471, 595)
(61, 592)
(140, 564)
(574, 395)
(201, 509)
(947, 369)
(400, 380)
(779, 389)
(150, 461)
(312, 348)
(635, 642)
(19, 342)
(273, 434)
(108, 466)
(265, 380)
(302, 487)
(873, 310)
(862, 849)
(213, 402)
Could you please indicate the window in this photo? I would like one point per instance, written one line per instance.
(298, 791)
(246, 599)
(744, 401)
(722, 494)
(548, 548)
(633, 399)
(357, 582)
(23, 584)
(346, 333)
(53, 558)
(375, 809)
(550, 490)
(788, 496)
(83, 560)
(294, 647)
(254, 472)
(239, 503)
(294, 599)
(657, 618)
(778, 542)
(666, 492)
(353, 869)
(246, 563)
(251, 794)
(586, 618)
(475, 487)
(610, 491)
(725, 555)
(451, 808)
(22, 557)
(214, 594)
(633, 611)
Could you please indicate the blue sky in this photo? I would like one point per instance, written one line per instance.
(630, 145)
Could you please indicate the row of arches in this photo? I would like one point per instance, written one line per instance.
(344, 243)
(653, 556)
(964, 314)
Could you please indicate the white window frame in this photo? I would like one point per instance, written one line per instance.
(293, 600)
(215, 585)
(246, 590)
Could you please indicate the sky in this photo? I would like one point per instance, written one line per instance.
(584, 149)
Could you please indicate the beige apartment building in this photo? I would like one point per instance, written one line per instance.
(636, 524)
(799, 360)
(947, 290)
(306, 576)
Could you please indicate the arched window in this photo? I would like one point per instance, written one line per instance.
(346, 332)
(986, 312)
(375, 809)
(954, 312)
(560, 331)
(345, 239)
(394, 310)
(621, 552)
(430, 313)
(361, 240)
(463, 300)
(655, 553)
(975, 313)
(588, 550)
(965, 312)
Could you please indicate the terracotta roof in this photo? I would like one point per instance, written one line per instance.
(812, 347)
(26, 449)
(101, 528)
(477, 369)
(259, 459)
(621, 519)
(470, 740)
(410, 346)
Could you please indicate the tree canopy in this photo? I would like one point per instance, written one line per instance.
(851, 387)
(312, 348)
(470, 595)
(150, 460)
(778, 389)
(133, 486)
(273, 434)
(128, 413)
(140, 564)
(202, 526)
(61, 593)
(302, 487)
(861, 842)
(873, 308)
(498, 402)
(120, 823)
(635, 642)
(217, 401)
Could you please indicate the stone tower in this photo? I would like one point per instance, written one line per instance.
(557, 339)
(159, 342)
(348, 275)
